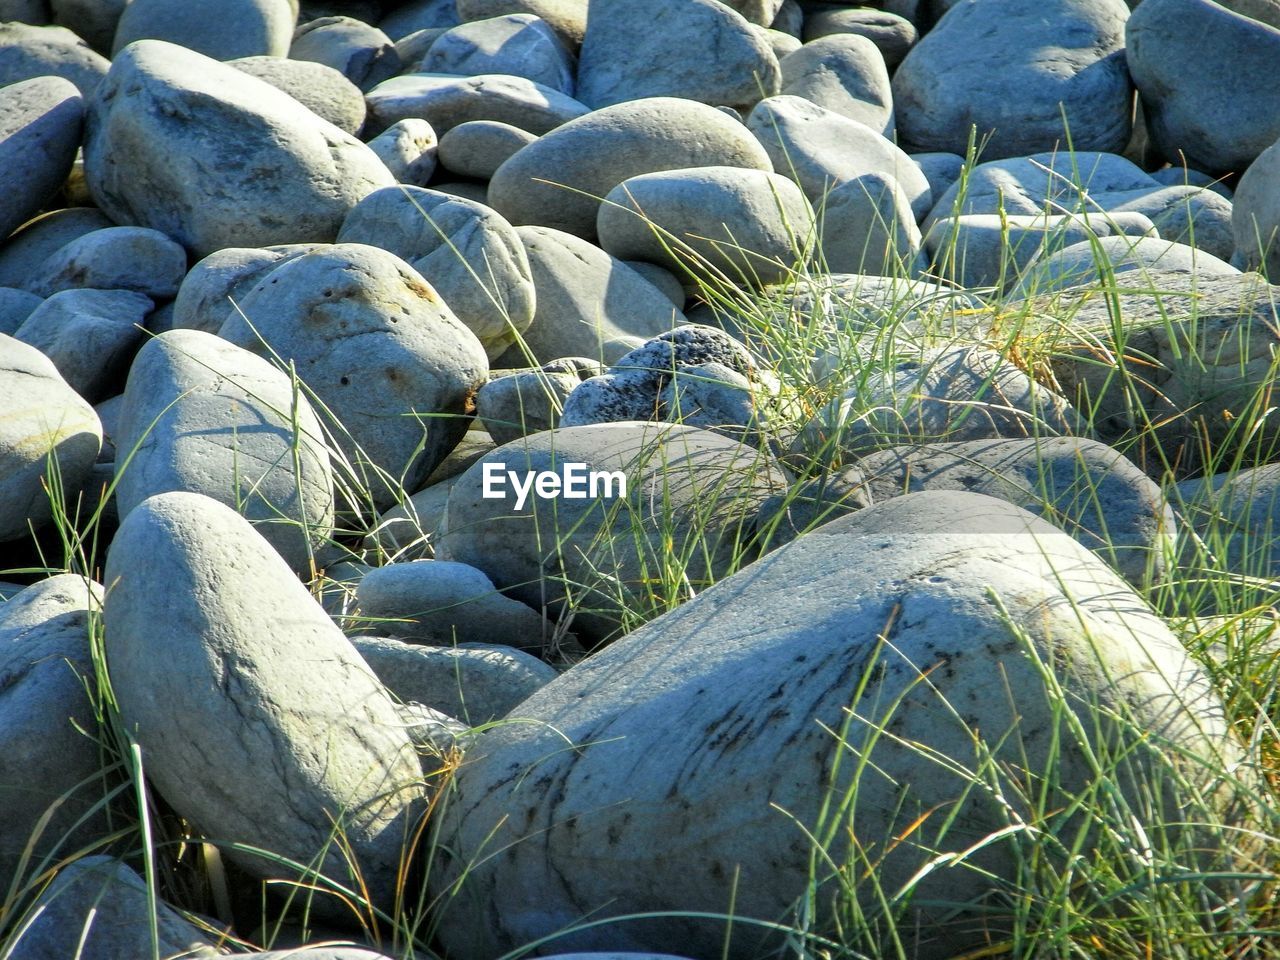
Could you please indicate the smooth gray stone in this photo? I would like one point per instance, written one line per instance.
(517, 44)
(1082, 263)
(374, 342)
(627, 56)
(867, 228)
(445, 102)
(218, 283)
(723, 224)
(409, 149)
(568, 18)
(1057, 57)
(22, 254)
(479, 147)
(204, 416)
(41, 417)
(224, 31)
(40, 128)
(97, 908)
(530, 401)
(219, 689)
(410, 530)
(90, 335)
(214, 158)
(845, 73)
(831, 633)
(1255, 215)
(940, 169)
(27, 52)
(115, 258)
(559, 180)
(320, 88)
(360, 52)
(759, 12)
(1236, 515)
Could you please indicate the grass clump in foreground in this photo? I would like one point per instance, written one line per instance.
(1106, 867)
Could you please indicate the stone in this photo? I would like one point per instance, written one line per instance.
(1235, 515)
(479, 147)
(530, 401)
(27, 52)
(417, 15)
(437, 735)
(725, 224)
(441, 603)
(588, 304)
(409, 149)
(45, 426)
(414, 46)
(1182, 176)
(1192, 355)
(94, 20)
(867, 227)
(568, 18)
(1082, 263)
(691, 496)
(940, 169)
(663, 279)
(475, 443)
(223, 31)
(360, 52)
(409, 530)
(893, 35)
(214, 158)
(219, 690)
(781, 43)
(47, 716)
(1215, 119)
(949, 393)
(1021, 633)
(704, 51)
(469, 254)
(115, 258)
(97, 908)
(822, 149)
(445, 102)
(320, 88)
(844, 73)
(15, 306)
(517, 44)
(994, 250)
(374, 342)
(463, 190)
(476, 683)
(1062, 79)
(558, 180)
(40, 126)
(220, 281)
(1255, 214)
(1185, 214)
(89, 335)
(23, 253)
(760, 12)
(207, 417)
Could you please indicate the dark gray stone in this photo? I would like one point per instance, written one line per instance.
(224, 30)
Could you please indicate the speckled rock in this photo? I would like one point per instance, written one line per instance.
(445, 102)
(589, 304)
(90, 335)
(40, 416)
(442, 603)
(48, 669)
(219, 282)
(374, 342)
(291, 175)
(530, 401)
(27, 52)
(626, 56)
(1056, 56)
(360, 52)
(517, 44)
(325, 743)
(409, 149)
(223, 31)
(682, 483)
(845, 73)
(321, 89)
(823, 149)
(207, 417)
(479, 147)
(116, 258)
(760, 669)
(558, 180)
(40, 127)
(466, 251)
(745, 226)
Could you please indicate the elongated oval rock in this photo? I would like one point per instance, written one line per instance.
(678, 769)
(215, 158)
(202, 415)
(257, 719)
(558, 180)
(40, 124)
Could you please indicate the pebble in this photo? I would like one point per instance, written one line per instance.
(409, 149)
(530, 401)
(479, 147)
